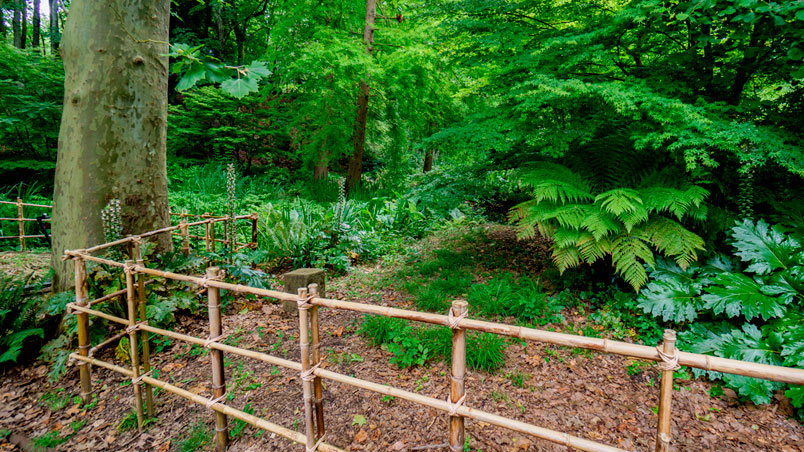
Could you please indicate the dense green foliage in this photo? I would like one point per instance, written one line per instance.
(746, 306)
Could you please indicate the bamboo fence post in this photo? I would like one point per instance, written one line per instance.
(146, 346)
(82, 318)
(457, 385)
(21, 217)
(306, 374)
(212, 236)
(216, 358)
(132, 339)
(185, 234)
(668, 364)
(206, 236)
(318, 389)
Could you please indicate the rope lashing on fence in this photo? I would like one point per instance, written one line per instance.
(454, 320)
(668, 362)
(212, 402)
(210, 341)
(304, 301)
(135, 327)
(129, 268)
(138, 380)
(203, 280)
(453, 407)
(309, 374)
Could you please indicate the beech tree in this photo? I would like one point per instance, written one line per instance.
(113, 129)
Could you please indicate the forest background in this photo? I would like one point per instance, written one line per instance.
(657, 144)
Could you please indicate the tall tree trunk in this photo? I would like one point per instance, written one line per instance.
(36, 22)
(356, 160)
(113, 129)
(24, 23)
(55, 37)
(16, 24)
(428, 161)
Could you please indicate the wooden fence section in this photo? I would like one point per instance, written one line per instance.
(21, 220)
(308, 303)
(210, 235)
(183, 231)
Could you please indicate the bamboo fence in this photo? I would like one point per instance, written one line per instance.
(668, 357)
(21, 220)
(209, 237)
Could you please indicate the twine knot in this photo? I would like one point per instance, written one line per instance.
(453, 407)
(135, 327)
(668, 362)
(309, 374)
(212, 402)
(129, 268)
(217, 338)
(138, 380)
(455, 320)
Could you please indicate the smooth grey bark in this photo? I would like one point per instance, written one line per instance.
(112, 141)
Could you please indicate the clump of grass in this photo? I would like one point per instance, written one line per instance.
(197, 437)
(379, 329)
(485, 351)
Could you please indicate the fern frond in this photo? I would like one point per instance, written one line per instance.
(592, 250)
(678, 202)
(555, 183)
(565, 258)
(601, 224)
(566, 237)
(619, 201)
(672, 239)
(635, 217)
(629, 253)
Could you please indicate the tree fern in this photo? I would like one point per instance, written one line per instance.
(628, 223)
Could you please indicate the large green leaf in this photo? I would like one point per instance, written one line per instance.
(766, 248)
(736, 294)
(671, 299)
(240, 87)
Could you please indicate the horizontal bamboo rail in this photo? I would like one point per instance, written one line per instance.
(23, 236)
(118, 293)
(25, 204)
(24, 219)
(669, 359)
(219, 407)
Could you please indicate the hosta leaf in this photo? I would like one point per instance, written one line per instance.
(765, 248)
(672, 300)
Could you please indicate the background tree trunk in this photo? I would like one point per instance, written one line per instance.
(113, 129)
(23, 23)
(16, 25)
(36, 22)
(428, 161)
(356, 160)
(55, 37)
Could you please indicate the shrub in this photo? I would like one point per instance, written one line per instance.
(751, 309)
